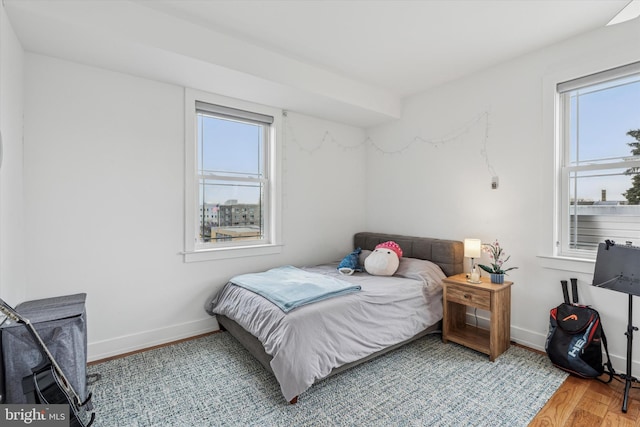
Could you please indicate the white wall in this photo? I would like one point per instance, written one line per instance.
(439, 185)
(104, 191)
(12, 283)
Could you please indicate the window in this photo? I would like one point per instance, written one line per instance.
(231, 169)
(599, 161)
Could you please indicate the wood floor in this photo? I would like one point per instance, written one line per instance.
(590, 403)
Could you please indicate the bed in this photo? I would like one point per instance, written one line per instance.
(318, 340)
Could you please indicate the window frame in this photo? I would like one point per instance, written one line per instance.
(271, 243)
(563, 166)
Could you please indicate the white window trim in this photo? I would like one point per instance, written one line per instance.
(549, 254)
(192, 252)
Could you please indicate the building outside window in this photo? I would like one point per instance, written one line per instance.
(599, 161)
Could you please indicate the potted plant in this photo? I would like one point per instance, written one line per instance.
(498, 259)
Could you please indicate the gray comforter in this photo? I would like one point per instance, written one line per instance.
(308, 342)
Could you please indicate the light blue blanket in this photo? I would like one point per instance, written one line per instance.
(290, 287)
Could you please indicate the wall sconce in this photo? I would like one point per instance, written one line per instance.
(473, 249)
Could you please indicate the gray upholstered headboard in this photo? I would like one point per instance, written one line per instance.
(448, 254)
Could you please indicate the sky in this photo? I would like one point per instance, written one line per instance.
(605, 116)
(225, 147)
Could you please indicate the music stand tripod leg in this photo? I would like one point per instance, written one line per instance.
(628, 377)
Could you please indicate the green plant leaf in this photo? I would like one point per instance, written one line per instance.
(485, 268)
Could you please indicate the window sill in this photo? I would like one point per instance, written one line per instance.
(227, 253)
(577, 265)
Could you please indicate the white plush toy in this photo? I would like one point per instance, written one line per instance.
(384, 260)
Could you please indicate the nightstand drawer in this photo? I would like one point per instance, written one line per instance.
(469, 296)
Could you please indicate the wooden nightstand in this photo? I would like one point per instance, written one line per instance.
(458, 295)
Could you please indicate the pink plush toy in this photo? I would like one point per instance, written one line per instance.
(384, 260)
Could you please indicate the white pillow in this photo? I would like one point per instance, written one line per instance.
(429, 273)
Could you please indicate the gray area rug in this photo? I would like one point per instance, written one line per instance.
(213, 381)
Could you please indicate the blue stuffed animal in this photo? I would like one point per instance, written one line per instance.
(351, 263)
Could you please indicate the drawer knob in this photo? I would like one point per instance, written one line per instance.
(467, 296)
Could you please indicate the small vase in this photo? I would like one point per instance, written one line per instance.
(497, 278)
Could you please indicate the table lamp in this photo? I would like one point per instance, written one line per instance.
(473, 249)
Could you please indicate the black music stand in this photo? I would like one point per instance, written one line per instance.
(618, 268)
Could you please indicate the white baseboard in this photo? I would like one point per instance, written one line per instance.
(527, 338)
(121, 345)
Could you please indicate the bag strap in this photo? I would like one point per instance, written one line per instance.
(609, 367)
(565, 291)
(574, 290)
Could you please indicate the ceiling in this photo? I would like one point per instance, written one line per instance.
(352, 61)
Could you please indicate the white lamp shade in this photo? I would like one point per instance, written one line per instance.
(472, 248)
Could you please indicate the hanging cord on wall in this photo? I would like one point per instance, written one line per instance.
(453, 136)
(327, 137)
(444, 140)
